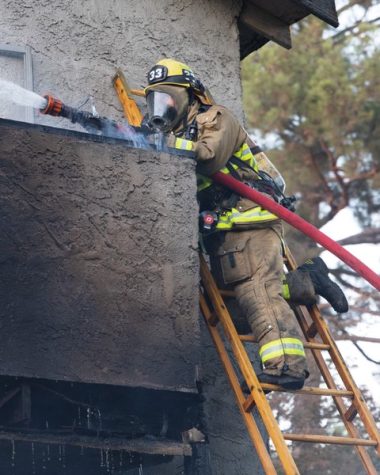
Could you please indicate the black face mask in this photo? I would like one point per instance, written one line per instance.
(166, 109)
(161, 110)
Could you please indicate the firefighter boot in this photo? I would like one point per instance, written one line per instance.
(284, 380)
(291, 383)
(323, 285)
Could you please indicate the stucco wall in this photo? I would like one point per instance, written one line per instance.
(99, 270)
(77, 46)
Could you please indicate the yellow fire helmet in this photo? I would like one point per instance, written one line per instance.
(174, 73)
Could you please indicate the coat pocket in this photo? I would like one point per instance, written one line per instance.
(234, 260)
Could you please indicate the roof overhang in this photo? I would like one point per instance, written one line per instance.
(261, 21)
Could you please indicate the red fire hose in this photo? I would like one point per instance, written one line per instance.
(300, 224)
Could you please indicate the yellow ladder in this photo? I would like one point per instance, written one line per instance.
(214, 311)
(219, 321)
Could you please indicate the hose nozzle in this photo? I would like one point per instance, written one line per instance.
(53, 106)
(92, 123)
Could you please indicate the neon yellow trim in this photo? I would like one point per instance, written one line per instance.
(234, 217)
(293, 346)
(183, 144)
(203, 182)
(294, 341)
(244, 153)
(294, 352)
(285, 291)
(281, 347)
(270, 345)
(271, 355)
(271, 350)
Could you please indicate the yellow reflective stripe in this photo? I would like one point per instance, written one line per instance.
(230, 218)
(285, 288)
(244, 153)
(281, 347)
(203, 182)
(285, 291)
(183, 144)
(293, 346)
(271, 350)
(270, 345)
(225, 170)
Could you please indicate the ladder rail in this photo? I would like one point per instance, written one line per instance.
(339, 403)
(133, 113)
(250, 422)
(358, 402)
(245, 364)
(344, 373)
(257, 398)
(349, 383)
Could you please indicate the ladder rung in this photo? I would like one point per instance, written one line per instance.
(311, 391)
(316, 346)
(351, 413)
(329, 439)
(307, 344)
(311, 328)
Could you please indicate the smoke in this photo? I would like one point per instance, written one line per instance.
(126, 132)
(10, 92)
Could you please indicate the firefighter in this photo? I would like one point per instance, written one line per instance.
(246, 242)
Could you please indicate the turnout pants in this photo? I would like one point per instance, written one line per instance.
(252, 262)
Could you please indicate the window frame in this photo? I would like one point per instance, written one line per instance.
(24, 53)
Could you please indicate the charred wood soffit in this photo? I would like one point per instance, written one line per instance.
(261, 21)
(96, 416)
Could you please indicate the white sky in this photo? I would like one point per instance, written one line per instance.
(365, 373)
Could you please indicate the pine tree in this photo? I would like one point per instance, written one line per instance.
(316, 110)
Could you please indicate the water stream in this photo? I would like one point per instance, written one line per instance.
(13, 93)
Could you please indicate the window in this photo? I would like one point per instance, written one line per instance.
(16, 66)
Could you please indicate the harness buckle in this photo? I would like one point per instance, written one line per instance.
(208, 220)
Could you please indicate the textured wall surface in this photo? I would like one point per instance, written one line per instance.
(99, 270)
(77, 46)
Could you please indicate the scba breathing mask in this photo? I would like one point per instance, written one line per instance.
(167, 106)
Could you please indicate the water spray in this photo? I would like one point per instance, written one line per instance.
(91, 121)
(10, 92)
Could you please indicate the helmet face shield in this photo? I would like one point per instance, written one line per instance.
(161, 110)
(166, 107)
